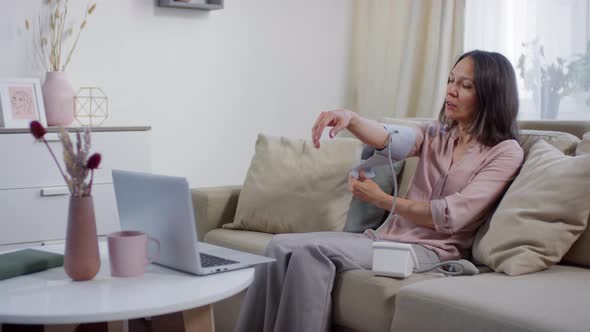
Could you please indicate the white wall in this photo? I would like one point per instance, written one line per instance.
(206, 82)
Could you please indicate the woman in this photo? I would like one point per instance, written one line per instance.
(466, 161)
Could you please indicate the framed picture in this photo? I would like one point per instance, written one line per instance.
(21, 101)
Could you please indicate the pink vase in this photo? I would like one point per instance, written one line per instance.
(81, 259)
(58, 98)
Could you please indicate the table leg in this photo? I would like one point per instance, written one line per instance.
(199, 319)
(115, 326)
(192, 320)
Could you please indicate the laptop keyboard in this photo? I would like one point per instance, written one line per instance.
(210, 260)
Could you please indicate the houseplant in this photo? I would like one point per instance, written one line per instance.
(54, 45)
(579, 73)
(81, 259)
(548, 80)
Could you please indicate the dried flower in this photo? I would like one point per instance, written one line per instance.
(92, 164)
(93, 161)
(37, 129)
(51, 34)
(76, 161)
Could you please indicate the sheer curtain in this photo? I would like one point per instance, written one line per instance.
(552, 73)
(402, 52)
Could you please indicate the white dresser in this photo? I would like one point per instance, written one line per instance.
(33, 195)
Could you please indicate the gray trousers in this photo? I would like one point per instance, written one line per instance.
(295, 292)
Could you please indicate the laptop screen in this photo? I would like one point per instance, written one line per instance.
(160, 206)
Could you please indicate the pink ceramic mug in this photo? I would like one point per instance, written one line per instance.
(128, 253)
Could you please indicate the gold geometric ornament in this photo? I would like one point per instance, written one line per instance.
(91, 106)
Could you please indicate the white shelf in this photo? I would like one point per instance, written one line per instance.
(28, 172)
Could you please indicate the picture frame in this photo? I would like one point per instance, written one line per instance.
(21, 101)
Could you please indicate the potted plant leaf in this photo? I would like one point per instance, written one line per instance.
(579, 73)
(548, 80)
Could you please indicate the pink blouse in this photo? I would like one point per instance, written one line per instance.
(461, 195)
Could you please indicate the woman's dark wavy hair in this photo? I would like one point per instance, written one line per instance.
(497, 99)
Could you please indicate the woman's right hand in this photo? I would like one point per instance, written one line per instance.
(339, 119)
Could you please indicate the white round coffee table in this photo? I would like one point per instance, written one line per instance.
(50, 297)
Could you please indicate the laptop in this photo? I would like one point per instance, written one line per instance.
(161, 206)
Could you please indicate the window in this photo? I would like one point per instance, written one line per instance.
(547, 43)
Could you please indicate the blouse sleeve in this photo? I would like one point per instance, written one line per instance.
(403, 141)
(464, 209)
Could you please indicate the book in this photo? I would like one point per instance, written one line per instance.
(28, 261)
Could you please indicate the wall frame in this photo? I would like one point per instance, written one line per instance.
(21, 101)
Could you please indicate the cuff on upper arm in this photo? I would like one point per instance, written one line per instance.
(438, 208)
(401, 141)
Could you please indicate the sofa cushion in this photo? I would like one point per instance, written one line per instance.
(292, 187)
(576, 128)
(579, 253)
(365, 302)
(253, 242)
(564, 142)
(536, 222)
(363, 215)
(553, 300)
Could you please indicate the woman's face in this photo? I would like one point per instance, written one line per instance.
(461, 102)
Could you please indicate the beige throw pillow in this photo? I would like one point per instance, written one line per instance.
(292, 187)
(541, 215)
(580, 251)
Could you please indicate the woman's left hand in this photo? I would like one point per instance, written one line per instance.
(365, 189)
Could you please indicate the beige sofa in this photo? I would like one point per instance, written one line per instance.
(552, 300)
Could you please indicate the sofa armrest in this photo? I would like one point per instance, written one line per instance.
(214, 207)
